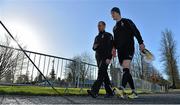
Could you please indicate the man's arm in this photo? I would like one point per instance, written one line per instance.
(111, 46)
(95, 45)
(135, 31)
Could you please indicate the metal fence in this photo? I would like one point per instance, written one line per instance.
(61, 72)
(58, 70)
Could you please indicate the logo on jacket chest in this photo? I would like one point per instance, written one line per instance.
(121, 25)
(102, 36)
(115, 27)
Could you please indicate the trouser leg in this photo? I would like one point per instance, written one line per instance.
(97, 84)
(102, 77)
(107, 83)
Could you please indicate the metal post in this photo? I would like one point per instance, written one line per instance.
(48, 67)
(39, 64)
(75, 74)
(22, 65)
(79, 67)
(57, 69)
(65, 74)
(39, 61)
(16, 63)
(28, 64)
(33, 68)
(44, 64)
(61, 69)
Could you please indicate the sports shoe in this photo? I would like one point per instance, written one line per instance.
(108, 95)
(133, 95)
(119, 92)
(92, 94)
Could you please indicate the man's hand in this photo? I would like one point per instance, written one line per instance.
(142, 47)
(95, 46)
(108, 61)
(114, 52)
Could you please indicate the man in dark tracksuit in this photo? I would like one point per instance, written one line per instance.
(124, 33)
(103, 45)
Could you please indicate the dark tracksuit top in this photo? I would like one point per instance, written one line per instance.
(105, 45)
(124, 32)
(103, 52)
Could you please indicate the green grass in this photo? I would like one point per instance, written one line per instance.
(37, 90)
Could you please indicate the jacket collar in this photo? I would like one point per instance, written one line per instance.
(102, 32)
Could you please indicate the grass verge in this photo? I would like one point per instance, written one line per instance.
(37, 90)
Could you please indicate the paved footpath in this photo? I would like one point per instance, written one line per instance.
(171, 98)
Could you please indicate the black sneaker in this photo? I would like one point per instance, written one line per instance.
(92, 94)
(108, 95)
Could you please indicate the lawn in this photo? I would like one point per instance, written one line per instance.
(37, 90)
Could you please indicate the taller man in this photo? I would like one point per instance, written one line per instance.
(103, 45)
(124, 32)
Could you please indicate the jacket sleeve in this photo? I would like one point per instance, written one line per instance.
(110, 46)
(135, 31)
(95, 42)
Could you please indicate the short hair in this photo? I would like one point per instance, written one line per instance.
(116, 9)
(102, 23)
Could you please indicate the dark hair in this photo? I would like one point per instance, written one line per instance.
(116, 9)
(102, 23)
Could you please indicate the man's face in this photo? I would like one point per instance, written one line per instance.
(114, 15)
(101, 27)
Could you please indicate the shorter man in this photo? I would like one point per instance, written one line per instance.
(103, 45)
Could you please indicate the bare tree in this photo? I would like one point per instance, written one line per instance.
(146, 71)
(140, 67)
(77, 70)
(72, 70)
(138, 64)
(169, 57)
(10, 61)
(86, 70)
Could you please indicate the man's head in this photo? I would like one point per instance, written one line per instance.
(101, 26)
(116, 14)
